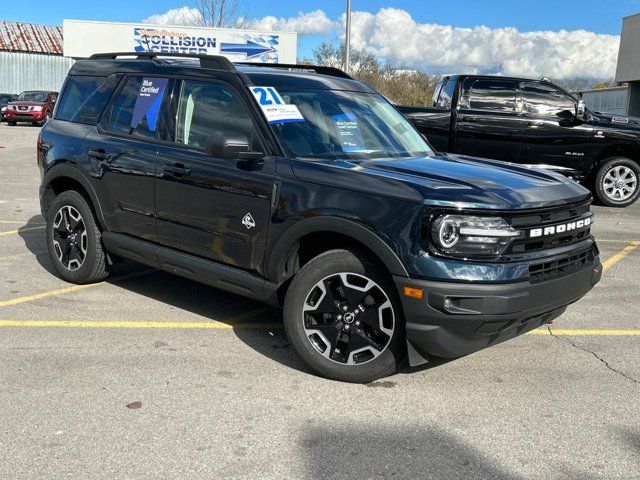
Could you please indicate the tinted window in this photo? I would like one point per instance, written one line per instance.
(33, 96)
(206, 108)
(493, 95)
(446, 94)
(84, 98)
(137, 110)
(546, 100)
(4, 99)
(436, 93)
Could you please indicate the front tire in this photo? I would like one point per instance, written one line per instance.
(73, 240)
(617, 182)
(343, 317)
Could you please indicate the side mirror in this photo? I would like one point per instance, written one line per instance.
(581, 110)
(230, 145)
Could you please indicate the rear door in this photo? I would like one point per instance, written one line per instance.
(553, 136)
(124, 149)
(213, 207)
(488, 123)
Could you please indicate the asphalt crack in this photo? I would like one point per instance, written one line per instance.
(598, 357)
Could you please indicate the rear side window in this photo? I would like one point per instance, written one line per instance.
(84, 98)
(490, 95)
(137, 110)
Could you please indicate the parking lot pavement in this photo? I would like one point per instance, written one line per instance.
(223, 396)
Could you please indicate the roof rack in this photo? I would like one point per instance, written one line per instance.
(321, 70)
(206, 61)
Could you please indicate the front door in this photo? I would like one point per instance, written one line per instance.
(553, 135)
(487, 122)
(209, 206)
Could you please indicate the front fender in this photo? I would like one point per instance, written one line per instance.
(287, 242)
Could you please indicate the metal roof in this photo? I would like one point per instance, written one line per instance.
(29, 37)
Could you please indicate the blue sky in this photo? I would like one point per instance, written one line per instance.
(420, 35)
(598, 16)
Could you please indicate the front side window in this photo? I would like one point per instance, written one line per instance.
(137, 110)
(33, 97)
(546, 100)
(208, 108)
(446, 94)
(347, 125)
(490, 95)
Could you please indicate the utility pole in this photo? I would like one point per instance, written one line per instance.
(347, 42)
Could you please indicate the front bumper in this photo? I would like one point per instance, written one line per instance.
(482, 315)
(19, 116)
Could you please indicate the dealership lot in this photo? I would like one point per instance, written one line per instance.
(223, 396)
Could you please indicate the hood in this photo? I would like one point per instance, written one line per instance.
(610, 120)
(448, 181)
(27, 103)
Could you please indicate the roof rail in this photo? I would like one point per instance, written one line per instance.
(206, 61)
(321, 70)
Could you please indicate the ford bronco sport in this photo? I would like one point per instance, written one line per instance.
(301, 187)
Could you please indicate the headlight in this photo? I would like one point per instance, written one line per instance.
(462, 236)
(37, 108)
(11, 107)
(4, 109)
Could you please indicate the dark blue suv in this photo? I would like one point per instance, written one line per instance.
(301, 187)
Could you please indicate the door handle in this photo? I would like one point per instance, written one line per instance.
(99, 154)
(536, 124)
(177, 171)
(466, 118)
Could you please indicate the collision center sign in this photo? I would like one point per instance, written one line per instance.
(82, 39)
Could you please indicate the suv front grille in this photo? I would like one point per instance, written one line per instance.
(562, 267)
(543, 220)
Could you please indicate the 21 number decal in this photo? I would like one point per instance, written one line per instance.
(267, 96)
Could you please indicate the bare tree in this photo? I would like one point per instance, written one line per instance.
(221, 13)
(405, 87)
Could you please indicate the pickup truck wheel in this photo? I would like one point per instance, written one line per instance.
(617, 182)
(343, 317)
(73, 240)
(11, 124)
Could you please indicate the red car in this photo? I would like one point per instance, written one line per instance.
(34, 106)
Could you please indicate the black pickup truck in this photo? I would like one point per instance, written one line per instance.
(534, 122)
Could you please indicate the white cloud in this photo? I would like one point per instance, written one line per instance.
(312, 23)
(184, 16)
(392, 34)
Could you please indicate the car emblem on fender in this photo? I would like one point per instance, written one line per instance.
(248, 221)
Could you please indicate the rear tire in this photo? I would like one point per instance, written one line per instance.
(11, 124)
(73, 240)
(617, 182)
(343, 317)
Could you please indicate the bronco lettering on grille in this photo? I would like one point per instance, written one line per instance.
(562, 228)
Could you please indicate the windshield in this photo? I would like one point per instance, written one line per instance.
(347, 125)
(33, 96)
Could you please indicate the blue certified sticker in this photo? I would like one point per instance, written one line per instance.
(148, 102)
(349, 132)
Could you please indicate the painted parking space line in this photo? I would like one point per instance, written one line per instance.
(586, 332)
(625, 252)
(210, 325)
(22, 230)
(73, 288)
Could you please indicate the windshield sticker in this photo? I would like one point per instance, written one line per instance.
(148, 102)
(349, 132)
(274, 107)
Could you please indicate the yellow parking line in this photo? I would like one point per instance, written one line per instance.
(610, 262)
(22, 230)
(602, 333)
(62, 291)
(12, 222)
(133, 324)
